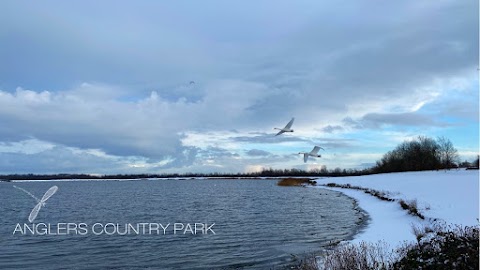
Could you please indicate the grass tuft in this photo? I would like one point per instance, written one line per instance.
(411, 207)
(360, 256)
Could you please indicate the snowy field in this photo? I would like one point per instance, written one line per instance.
(450, 196)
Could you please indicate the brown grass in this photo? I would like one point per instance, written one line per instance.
(362, 256)
(411, 207)
(286, 182)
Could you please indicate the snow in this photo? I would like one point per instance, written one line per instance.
(450, 196)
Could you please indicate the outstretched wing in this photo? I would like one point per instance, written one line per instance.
(49, 193)
(289, 125)
(280, 132)
(315, 150)
(305, 157)
(26, 191)
(34, 212)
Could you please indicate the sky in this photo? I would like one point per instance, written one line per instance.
(104, 87)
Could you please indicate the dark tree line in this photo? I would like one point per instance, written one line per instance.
(262, 174)
(420, 154)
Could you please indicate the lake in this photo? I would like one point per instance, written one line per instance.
(169, 224)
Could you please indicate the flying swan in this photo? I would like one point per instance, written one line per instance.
(313, 153)
(287, 128)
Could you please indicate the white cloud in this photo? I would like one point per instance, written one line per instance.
(30, 146)
(386, 63)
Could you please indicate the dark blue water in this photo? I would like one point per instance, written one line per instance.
(258, 225)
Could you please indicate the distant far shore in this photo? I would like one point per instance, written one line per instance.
(140, 179)
(266, 173)
(263, 175)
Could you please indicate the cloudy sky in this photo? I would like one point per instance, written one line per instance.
(198, 86)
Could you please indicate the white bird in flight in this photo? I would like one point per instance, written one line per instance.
(313, 153)
(287, 128)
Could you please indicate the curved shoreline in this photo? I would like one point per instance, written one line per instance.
(441, 196)
(385, 221)
(361, 224)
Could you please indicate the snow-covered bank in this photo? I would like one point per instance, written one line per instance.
(451, 196)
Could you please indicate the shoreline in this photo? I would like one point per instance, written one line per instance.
(385, 221)
(450, 197)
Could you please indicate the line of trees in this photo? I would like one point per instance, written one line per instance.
(264, 173)
(420, 154)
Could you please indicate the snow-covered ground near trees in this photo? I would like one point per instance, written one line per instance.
(450, 196)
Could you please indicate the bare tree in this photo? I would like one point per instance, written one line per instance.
(448, 154)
